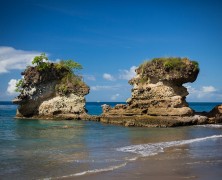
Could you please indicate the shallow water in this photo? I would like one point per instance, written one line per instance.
(40, 149)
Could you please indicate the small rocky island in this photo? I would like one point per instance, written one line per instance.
(159, 97)
(51, 90)
(55, 91)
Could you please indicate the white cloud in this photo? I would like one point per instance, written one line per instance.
(203, 92)
(11, 58)
(128, 74)
(12, 86)
(208, 89)
(115, 96)
(108, 77)
(90, 77)
(190, 89)
(98, 88)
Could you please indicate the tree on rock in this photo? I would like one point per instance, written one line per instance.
(39, 61)
(51, 81)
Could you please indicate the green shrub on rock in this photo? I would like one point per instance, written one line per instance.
(19, 85)
(63, 72)
(196, 65)
(40, 63)
(69, 83)
(70, 65)
(174, 69)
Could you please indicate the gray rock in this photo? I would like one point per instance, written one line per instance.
(39, 97)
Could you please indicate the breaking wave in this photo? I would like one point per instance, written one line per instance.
(155, 148)
(143, 150)
(111, 168)
(211, 125)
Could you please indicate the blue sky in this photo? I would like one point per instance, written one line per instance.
(111, 38)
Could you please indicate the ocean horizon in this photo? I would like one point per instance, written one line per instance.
(94, 108)
(49, 149)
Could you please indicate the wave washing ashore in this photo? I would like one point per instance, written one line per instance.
(38, 149)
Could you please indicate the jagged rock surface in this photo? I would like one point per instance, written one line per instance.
(40, 98)
(215, 115)
(63, 105)
(158, 91)
(159, 97)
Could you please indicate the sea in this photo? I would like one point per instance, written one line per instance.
(71, 149)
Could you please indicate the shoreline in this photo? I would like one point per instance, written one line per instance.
(99, 142)
(136, 120)
(172, 164)
(199, 117)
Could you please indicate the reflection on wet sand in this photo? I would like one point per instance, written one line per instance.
(58, 147)
(48, 149)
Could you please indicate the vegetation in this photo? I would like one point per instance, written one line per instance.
(70, 65)
(69, 83)
(178, 63)
(170, 68)
(173, 63)
(65, 70)
(143, 79)
(196, 65)
(170, 63)
(39, 61)
(19, 85)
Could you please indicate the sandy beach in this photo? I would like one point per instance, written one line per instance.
(85, 150)
(173, 164)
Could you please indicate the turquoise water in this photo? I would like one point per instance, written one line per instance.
(39, 149)
(94, 108)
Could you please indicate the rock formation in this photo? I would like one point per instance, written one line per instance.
(215, 115)
(158, 95)
(51, 92)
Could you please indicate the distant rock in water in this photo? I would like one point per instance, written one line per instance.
(215, 115)
(158, 95)
(157, 88)
(54, 91)
(49, 90)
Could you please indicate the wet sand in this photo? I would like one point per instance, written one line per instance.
(173, 164)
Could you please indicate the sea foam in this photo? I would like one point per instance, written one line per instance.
(211, 125)
(110, 168)
(155, 148)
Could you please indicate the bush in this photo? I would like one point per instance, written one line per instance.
(179, 70)
(70, 65)
(173, 63)
(19, 85)
(69, 83)
(196, 65)
(39, 59)
(39, 62)
(64, 71)
(169, 63)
